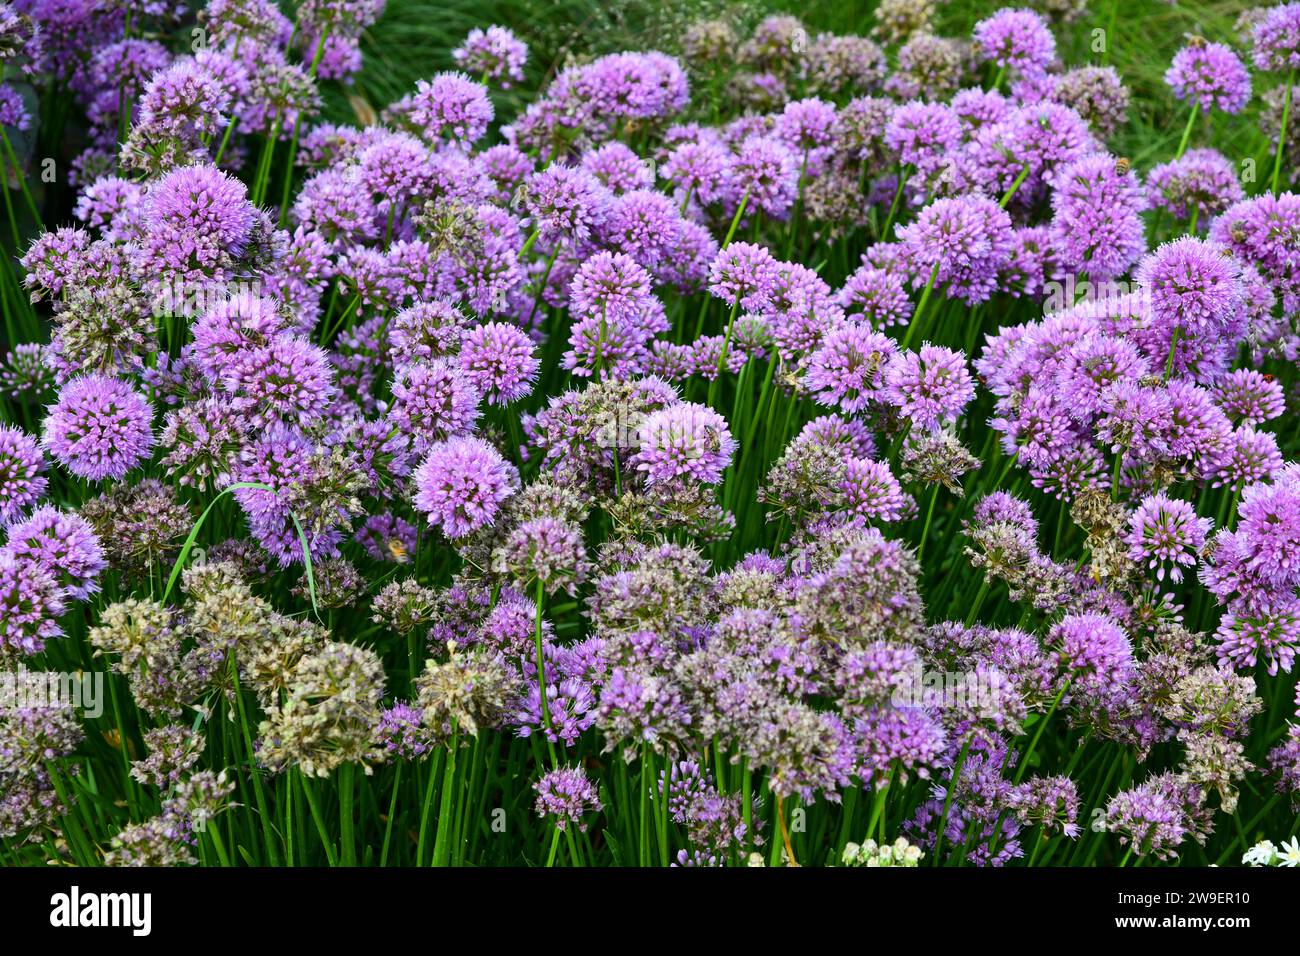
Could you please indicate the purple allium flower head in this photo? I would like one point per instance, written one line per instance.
(401, 732)
(394, 167)
(196, 205)
(642, 224)
(1269, 527)
(1157, 816)
(64, 543)
(1211, 76)
(844, 64)
(492, 54)
(1091, 364)
(22, 482)
(767, 172)
(1096, 223)
(1036, 141)
(976, 108)
(638, 85)
(1276, 39)
(111, 205)
(287, 380)
(506, 166)
(831, 431)
(433, 400)
(452, 107)
(618, 168)
(1166, 531)
(1260, 630)
(13, 111)
(570, 704)
(565, 795)
(807, 124)
(1050, 801)
(1249, 397)
(462, 483)
(930, 386)
(743, 271)
(244, 19)
(848, 369)
(967, 240)
(183, 99)
(566, 203)
(333, 204)
(1134, 419)
(923, 135)
(701, 170)
(99, 428)
(1094, 650)
(876, 296)
(54, 258)
(685, 440)
(1202, 182)
(545, 551)
(424, 331)
(1016, 40)
(611, 285)
(1284, 760)
(231, 327)
(1097, 94)
(1192, 285)
(498, 358)
(31, 603)
(1002, 507)
(1265, 232)
(929, 66)
(871, 491)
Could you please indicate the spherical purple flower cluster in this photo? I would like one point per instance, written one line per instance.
(461, 484)
(100, 428)
(1016, 40)
(1211, 76)
(684, 441)
(22, 479)
(1166, 531)
(566, 795)
(493, 54)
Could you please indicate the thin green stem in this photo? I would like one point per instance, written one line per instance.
(1281, 135)
(1187, 130)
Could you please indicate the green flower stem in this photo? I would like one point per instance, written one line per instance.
(1015, 187)
(919, 313)
(318, 818)
(297, 128)
(1038, 734)
(541, 673)
(1281, 135)
(442, 842)
(929, 514)
(904, 173)
(18, 175)
(346, 823)
(1173, 347)
(947, 803)
(722, 357)
(735, 220)
(392, 813)
(1187, 130)
(555, 845)
(426, 807)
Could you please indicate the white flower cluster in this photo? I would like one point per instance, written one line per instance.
(1264, 853)
(898, 853)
